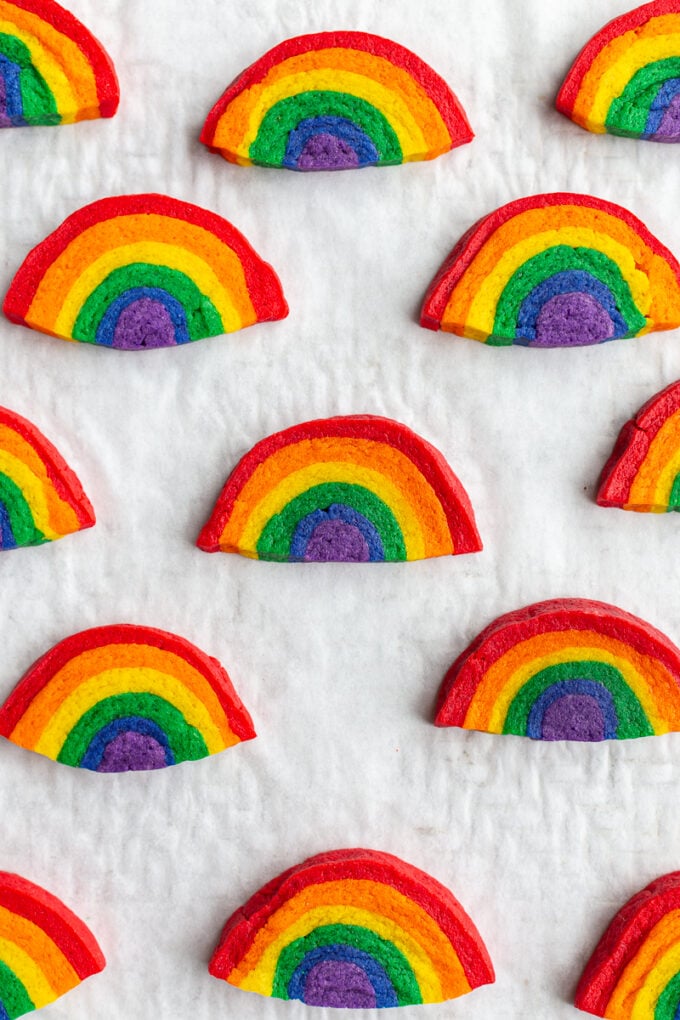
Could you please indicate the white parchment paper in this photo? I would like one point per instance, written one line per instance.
(338, 665)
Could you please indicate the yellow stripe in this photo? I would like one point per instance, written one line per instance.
(50, 738)
(28, 972)
(33, 490)
(618, 62)
(57, 57)
(496, 275)
(261, 978)
(251, 106)
(300, 481)
(654, 480)
(489, 707)
(28, 937)
(656, 962)
(157, 254)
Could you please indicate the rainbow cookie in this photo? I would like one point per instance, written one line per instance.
(626, 80)
(124, 699)
(45, 950)
(52, 70)
(643, 472)
(556, 270)
(40, 497)
(634, 973)
(566, 669)
(355, 488)
(143, 271)
(336, 101)
(355, 929)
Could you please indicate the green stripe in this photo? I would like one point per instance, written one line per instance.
(667, 1005)
(13, 994)
(277, 535)
(629, 112)
(39, 106)
(20, 514)
(186, 743)
(203, 319)
(669, 1000)
(561, 258)
(392, 960)
(269, 147)
(632, 720)
(674, 498)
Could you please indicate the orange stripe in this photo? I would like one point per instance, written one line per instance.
(110, 234)
(536, 221)
(381, 457)
(120, 656)
(378, 898)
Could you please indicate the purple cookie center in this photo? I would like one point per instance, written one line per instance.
(337, 542)
(132, 752)
(340, 984)
(669, 128)
(5, 121)
(573, 717)
(326, 152)
(572, 320)
(144, 323)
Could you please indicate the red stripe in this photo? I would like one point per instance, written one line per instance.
(67, 931)
(458, 261)
(632, 446)
(612, 30)
(426, 458)
(40, 674)
(59, 473)
(622, 940)
(264, 287)
(462, 680)
(370, 865)
(108, 92)
(447, 104)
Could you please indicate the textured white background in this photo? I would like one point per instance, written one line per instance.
(339, 665)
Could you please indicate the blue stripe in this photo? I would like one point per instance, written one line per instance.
(339, 127)
(663, 99)
(95, 752)
(14, 107)
(7, 539)
(576, 686)
(337, 512)
(4, 1015)
(568, 282)
(107, 327)
(385, 994)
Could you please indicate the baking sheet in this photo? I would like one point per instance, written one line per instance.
(339, 665)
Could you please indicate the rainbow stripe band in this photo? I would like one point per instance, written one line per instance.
(125, 698)
(336, 101)
(355, 488)
(643, 472)
(626, 80)
(41, 499)
(143, 271)
(566, 669)
(355, 929)
(45, 950)
(634, 971)
(555, 270)
(52, 69)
